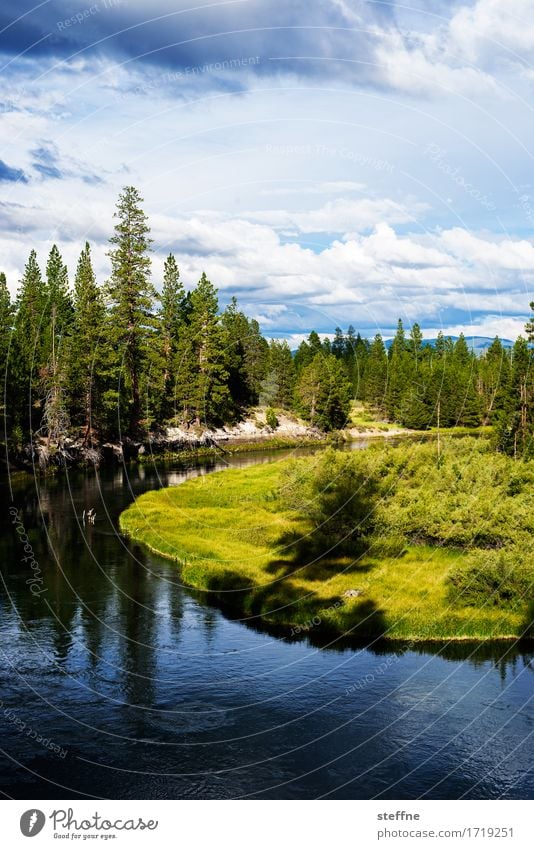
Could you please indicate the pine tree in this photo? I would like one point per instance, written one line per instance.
(171, 324)
(515, 428)
(398, 345)
(415, 344)
(338, 344)
(464, 393)
(349, 356)
(57, 291)
(469, 413)
(494, 378)
(87, 350)
(324, 393)
(529, 326)
(131, 297)
(56, 328)
(255, 360)
(28, 345)
(6, 326)
(416, 411)
(234, 331)
(441, 345)
(303, 356)
(398, 382)
(376, 375)
(55, 421)
(307, 350)
(462, 355)
(210, 395)
(245, 356)
(278, 385)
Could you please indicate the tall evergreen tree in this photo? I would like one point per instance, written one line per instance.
(131, 297)
(440, 346)
(494, 378)
(28, 353)
(415, 343)
(255, 361)
(208, 396)
(376, 375)
(338, 344)
(529, 326)
(57, 292)
(88, 358)
(6, 326)
(278, 385)
(357, 364)
(56, 328)
(171, 324)
(515, 429)
(324, 393)
(246, 355)
(307, 350)
(398, 374)
(462, 354)
(398, 345)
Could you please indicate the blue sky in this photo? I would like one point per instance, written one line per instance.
(328, 162)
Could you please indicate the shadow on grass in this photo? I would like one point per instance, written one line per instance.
(316, 558)
(295, 610)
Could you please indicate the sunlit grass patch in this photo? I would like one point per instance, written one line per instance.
(235, 535)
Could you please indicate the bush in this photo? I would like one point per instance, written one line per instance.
(504, 577)
(472, 498)
(335, 493)
(270, 418)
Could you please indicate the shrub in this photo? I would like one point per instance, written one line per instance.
(504, 577)
(334, 493)
(270, 418)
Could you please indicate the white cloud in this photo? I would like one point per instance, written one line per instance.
(428, 68)
(385, 245)
(505, 327)
(321, 188)
(462, 55)
(490, 28)
(343, 215)
(512, 254)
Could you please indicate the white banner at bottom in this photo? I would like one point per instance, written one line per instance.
(268, 824)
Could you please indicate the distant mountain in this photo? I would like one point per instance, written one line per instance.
(476, 343)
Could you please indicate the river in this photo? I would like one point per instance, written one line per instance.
(117, 682)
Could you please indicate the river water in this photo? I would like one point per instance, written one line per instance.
(117, 682)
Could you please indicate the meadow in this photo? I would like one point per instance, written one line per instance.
(393, 541)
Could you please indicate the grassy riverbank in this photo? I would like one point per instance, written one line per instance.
(236, 534)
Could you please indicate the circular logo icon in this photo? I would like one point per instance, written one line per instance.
(32, 822)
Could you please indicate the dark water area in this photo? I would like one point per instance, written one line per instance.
(117, 682)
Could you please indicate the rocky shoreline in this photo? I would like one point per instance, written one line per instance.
(162, 442)
(249, 434)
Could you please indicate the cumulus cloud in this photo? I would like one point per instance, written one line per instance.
(420, 65)
(343, 215)
(505, 327)
(463, 54)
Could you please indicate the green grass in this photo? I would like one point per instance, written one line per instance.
(362, 418)
(233, 538)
